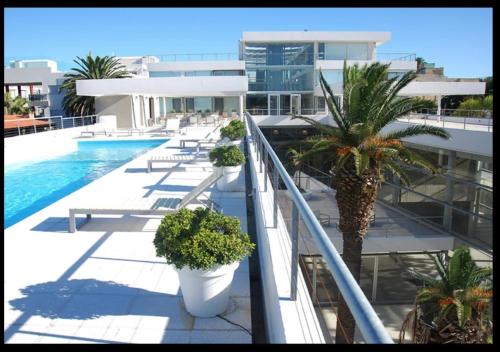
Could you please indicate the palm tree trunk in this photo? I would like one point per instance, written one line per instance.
(355, 199)
(351, 255)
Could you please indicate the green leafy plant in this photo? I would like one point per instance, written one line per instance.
(473, 103)
(358, 150)
(453, 307)
(15, 106)
(229, 155)
(234, 130)
(88, 68)
(201, 239)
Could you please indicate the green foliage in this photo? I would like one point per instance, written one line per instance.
(474, 103)
(370, 102)
(425, 103)
(16, 106)
(89, 68)
(229, 155)
(234, 130)
(201, 239)
(462, 291)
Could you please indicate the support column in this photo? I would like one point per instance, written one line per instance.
(439, 107)
(447, 219)
(396, 191)
(241, 107)
(473, 197)
(375, 279)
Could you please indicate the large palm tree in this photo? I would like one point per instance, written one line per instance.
(89, 68)
(16, 106)
(359, 152)
(453, 307)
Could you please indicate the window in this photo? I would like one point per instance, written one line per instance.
(228, 73)
(198, 73)
(344, 51)
(397, 74)
(164, 74)
(279, 54)
(333, 76)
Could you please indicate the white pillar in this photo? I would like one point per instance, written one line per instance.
(447, 220)
(439, 107)
(241, 107)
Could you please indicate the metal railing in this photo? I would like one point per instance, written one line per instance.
(382, 56)
(366, 319)
(23, 126)
(464, 122)
(198, 57)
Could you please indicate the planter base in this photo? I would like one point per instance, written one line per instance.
(206, 293)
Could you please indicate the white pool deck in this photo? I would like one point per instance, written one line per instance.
(104, 283)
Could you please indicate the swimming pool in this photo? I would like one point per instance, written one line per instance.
(31, 186)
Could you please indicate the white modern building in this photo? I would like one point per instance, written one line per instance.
(283, 68)
(170, 87)
(38, 81)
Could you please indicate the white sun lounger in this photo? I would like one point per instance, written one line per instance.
(141, 206)
(175, 158)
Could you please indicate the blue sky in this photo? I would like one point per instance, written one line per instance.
(461, 40)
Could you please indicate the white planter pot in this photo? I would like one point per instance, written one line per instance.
(229, 180)
(206, 292)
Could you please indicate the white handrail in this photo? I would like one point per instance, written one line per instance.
(367, 320)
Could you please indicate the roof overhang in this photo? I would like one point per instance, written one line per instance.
(307, 36)
(201, 86)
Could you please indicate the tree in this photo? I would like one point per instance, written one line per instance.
(359, 152)
(453, 307)
(479, 104)
(89, 68)
(16, 106)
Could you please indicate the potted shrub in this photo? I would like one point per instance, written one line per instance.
(206, 248)
(230, 158)
(234, 131)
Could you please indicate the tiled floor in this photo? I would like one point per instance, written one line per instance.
(104, 284)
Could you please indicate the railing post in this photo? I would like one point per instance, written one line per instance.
(464, 122)
(73, 121)
(261, 147)
(18, 129)
(34, 125)
(266, 157)
(275, 197)
(295, 251)
(314, 281)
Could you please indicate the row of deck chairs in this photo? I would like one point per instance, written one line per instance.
(153, 205)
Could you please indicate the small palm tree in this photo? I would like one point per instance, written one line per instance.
(16, 106)
(89, 68)
(453, 307)
(359, 152)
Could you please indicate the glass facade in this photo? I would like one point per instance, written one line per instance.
(279, 54)
(274, 79)
(332, 76)
(343, 51)
(164, 74)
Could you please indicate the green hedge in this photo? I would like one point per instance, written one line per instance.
(234, 130)
(229, 155)
(201, 239)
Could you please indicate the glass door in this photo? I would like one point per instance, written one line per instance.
(273, 104)
(295, 104)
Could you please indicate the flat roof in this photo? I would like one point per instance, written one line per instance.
(311, 36)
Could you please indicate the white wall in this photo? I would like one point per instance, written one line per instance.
(116, 105)
(311, 36)
(204, 86)
(339, 64)
(443, 88)
(40, 146)
(197, 65)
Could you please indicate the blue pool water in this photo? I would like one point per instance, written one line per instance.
(32, 186)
